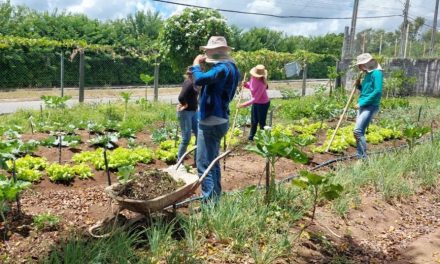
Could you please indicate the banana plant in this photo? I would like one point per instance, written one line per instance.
(272, 147)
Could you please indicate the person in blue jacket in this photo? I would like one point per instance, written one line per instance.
(218, 89)
(369, 99)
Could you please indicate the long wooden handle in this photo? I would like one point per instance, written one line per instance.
(341, 118)
(236, 112)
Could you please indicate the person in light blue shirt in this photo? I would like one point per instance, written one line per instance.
(369, 99)
(218, 89)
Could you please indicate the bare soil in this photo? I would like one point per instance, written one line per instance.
(375, 232)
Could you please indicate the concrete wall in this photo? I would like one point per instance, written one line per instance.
(426, 71)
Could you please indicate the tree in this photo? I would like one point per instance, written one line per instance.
(145, 25)
(261, 38)
(183, 34)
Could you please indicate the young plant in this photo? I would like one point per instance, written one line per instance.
(273, 146)
(60, 173)
(143, 103)
(55, 101)
(46, 221)
(9, 191)
(125, 173)
(126, 96)
(95, 128)
(70, 141)
(413, 132)
(319, 187)
(108, 141)
(82, 171)
(147, 79)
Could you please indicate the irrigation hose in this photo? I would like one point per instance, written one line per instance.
(319, 166)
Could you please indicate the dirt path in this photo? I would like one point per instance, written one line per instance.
(377, 232)
(425, 249)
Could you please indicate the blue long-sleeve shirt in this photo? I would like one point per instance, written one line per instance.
(219, 86)
(371, 89)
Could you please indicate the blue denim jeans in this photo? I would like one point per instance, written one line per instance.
(364, 116)
(188, 123)
(208, 147)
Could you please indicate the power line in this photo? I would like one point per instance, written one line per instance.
(271, 15)
(413, 19)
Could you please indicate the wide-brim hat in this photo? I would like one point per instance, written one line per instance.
(363, 58)
(215, 42)
(259, 71)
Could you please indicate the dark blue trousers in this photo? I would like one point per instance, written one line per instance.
(258, 117)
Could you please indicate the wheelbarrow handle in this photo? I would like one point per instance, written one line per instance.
(180, 161)
(224, 154)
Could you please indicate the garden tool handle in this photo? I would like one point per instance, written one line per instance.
(237, 107)
(342, 115)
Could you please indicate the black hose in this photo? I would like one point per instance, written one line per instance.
(321, 165)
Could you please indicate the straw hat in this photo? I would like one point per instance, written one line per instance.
(215, 42)
(363, 58)
(368, 60)
(259, 71)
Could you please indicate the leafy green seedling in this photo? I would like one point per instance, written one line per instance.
(125, 173)
(413, 132)
(319, 187)
(108, 140)
(272, 147)
(46, 221)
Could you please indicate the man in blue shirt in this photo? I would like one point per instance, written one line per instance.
(218, 88)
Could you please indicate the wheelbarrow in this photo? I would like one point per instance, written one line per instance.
(146, 207)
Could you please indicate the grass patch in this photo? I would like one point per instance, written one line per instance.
(393, 175)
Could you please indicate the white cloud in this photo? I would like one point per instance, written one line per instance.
(263, 6)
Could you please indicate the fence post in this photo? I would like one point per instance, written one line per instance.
(62, 73)
(303, 93)
(156, 80)
(81, 76)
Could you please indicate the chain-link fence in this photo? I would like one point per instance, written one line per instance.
(49, 69)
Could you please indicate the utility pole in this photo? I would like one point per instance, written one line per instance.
(363, 42)
(353, 26)
(346, 44)
(406, 42)
(403, 38)
(434, 30)
(380, 44)
(395, 48)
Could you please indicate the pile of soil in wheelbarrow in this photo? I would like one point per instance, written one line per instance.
(150, 184)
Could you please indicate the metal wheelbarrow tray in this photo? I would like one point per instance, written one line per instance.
(177, 172)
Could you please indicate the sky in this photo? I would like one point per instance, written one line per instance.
(112, 9)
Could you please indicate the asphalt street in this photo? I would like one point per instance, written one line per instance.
(7, 107)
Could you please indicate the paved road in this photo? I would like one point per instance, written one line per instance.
(11, 107)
